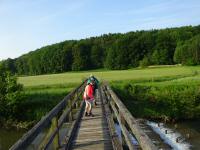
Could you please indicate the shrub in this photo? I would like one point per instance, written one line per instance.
(151, 101)
(10, 95)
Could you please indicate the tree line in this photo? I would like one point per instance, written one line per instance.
(112, 51)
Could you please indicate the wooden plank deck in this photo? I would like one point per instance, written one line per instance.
(93, 132)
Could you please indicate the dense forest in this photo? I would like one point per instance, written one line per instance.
(113, 51)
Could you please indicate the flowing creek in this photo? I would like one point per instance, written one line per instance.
(180, 136)
(187, 133)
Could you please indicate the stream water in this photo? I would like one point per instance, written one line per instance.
(191, 129)
(182, 129)
(165, 135)
(8, 137)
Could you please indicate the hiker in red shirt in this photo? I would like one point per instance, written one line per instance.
(89, 98)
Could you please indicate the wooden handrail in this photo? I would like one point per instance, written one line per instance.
(26, 140)
(125, 118)
(109, 118)
(112, 106)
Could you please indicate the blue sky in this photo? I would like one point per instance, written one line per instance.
(26, 25)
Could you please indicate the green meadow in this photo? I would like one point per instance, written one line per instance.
(143, 90)
(73, 78)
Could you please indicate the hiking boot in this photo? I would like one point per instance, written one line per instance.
(86, 114)
(91, 114)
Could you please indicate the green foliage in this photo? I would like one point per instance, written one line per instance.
(188, 53)
(166, 45)
(10, 95)
(110, 59)
(81, 56)
(145, 62)
(111, 51)
(39, 100)
(97, 55)
(159, 57)
(160, 98)
(8, 64)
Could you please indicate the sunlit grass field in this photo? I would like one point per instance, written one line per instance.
(43, 92)
(74, 78)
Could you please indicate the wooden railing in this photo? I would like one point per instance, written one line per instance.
(113, 109)
(117, 145)
(127, 122)
(53, 122)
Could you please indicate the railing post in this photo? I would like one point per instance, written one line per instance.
(123, 114)
(56, 142)
(76, 105)
(122, 122)
(70, 115)
(53, 127)
(77, 97)
(109, 117)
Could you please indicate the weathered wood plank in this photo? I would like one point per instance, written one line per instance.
(71, 133)
(93, 132)
(110, 120)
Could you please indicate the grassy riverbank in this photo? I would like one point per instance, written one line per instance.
(41, 99)
(36, 102)
(162, 98)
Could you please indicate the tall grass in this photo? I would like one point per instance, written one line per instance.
(41, 99)
(163, 98)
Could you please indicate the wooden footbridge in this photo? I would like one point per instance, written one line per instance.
(66, 127)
